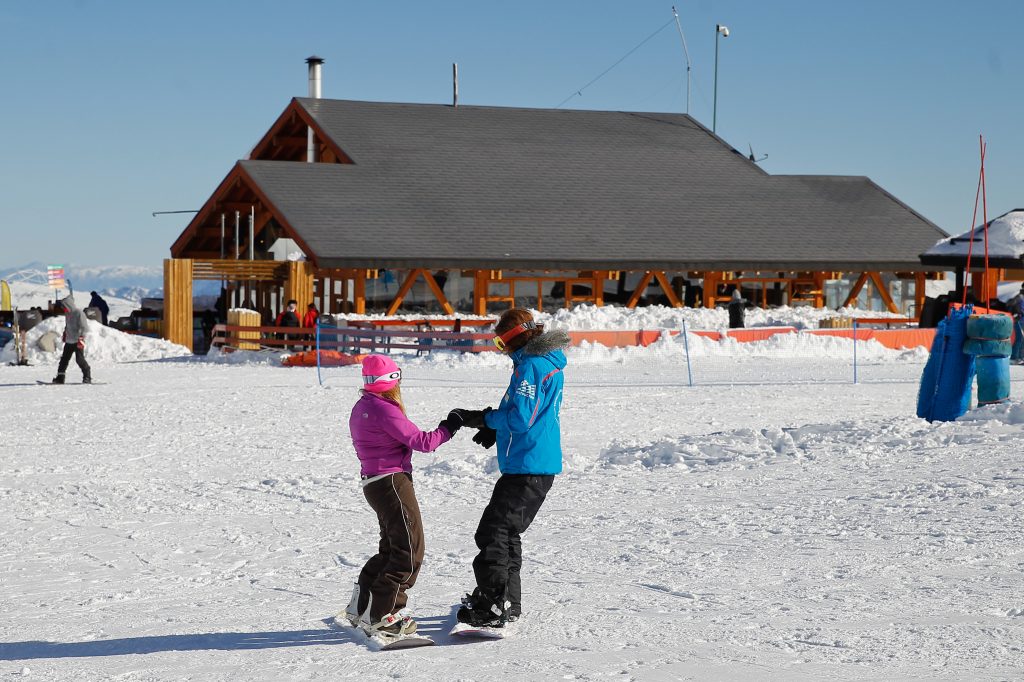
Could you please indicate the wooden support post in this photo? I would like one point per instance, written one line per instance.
(360, 292)
(711, 280)
(883, 292)
(481, 283)
(403, 290)
(432, 283)
(299, 285)
(920, 285)
(985, 285)
(640, 287)
(598, 291)
(177, 327)
(663, 281)
(855, 289)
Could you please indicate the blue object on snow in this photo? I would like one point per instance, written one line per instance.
(945, 391)
(993, 380)
(989, 327)
(988, 348)
(990, 342)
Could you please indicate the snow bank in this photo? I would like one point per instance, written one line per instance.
(614, 318)
(104, 345)
(792, 345)
(246, 357)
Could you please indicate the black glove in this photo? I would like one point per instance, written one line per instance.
(453, 422)
(474, 419)
(485, 437)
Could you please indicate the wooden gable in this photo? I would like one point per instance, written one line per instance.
(212, 232)
(287, 139)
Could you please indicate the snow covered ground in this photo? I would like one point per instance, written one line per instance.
(196, 518)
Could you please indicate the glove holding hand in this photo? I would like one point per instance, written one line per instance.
(474, 419)
(453, 422)
(485, 437)
(81, 342)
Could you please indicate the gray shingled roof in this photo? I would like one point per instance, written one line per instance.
(489, 187)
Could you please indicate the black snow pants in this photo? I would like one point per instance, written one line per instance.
(514, 503)
(393, 569)
(65, 359)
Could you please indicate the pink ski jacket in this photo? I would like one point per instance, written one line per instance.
(384, 437)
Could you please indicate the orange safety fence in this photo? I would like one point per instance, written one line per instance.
(758, 333)
(890, 338)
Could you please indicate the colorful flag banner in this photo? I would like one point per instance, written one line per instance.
(55, 275)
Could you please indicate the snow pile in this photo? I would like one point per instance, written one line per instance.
(616, 318)
(590, 317)
(1008, 413)
(739, 449)
(104, 345)
(674, 349)
(246, 357)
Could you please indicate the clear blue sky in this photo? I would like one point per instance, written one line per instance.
(114, 109)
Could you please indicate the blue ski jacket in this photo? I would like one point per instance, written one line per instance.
(527, 423)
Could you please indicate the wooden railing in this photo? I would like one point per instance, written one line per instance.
(348, 339)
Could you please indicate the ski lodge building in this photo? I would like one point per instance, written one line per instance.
(343, 201)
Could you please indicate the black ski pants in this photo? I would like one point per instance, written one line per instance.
(65, 359)
(393, 569)
(514, 503)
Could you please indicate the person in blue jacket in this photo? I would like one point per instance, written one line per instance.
(525, 429)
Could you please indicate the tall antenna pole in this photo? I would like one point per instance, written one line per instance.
(455, 85)
(686, 52)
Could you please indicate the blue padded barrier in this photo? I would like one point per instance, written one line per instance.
(993, 380)
(945, 391)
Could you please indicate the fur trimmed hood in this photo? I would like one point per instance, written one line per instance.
(556, 339)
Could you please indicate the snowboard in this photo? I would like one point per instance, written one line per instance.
(379, 642)
(71, 383)
(470, 632)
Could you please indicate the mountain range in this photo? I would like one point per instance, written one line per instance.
(131, 282)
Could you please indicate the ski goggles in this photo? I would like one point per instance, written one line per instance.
(501, 341)
(394, 376)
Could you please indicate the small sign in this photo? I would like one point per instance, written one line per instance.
(55, 276)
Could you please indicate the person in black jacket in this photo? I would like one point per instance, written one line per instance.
(289, 317)
(737, 310)
(97, 302)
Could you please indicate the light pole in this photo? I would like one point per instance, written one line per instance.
(686, 53)
(724, 32)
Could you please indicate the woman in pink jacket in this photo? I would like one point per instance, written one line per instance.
(384, 440)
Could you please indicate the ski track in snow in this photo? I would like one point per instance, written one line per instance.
(201, 520)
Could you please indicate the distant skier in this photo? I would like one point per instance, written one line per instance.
(76, 328)
(737, 310)
(97, 302)
(1016, 308)
(526, 428)
(384, 440)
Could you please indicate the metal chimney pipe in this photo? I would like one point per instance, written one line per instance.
(315, 63)
(455, 85)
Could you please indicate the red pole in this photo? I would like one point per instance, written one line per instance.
(984, 215)
(970, 244)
